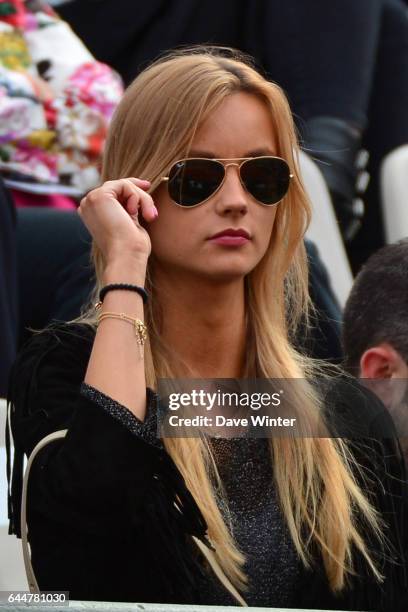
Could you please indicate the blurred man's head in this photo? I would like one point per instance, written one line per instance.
(375, 329)
(375, 323)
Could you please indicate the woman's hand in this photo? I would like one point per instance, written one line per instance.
(110, 213)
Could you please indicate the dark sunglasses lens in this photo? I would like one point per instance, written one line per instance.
(194, 180)
(266, 179)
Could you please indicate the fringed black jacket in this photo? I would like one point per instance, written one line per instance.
(110, 517)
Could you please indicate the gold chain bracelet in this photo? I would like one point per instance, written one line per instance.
(138, 325)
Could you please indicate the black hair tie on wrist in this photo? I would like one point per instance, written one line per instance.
(140, 290)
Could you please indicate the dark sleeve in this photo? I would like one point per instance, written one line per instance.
(145, 430)
(107, 510)
(87, 476)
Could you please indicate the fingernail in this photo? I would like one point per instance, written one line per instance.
(155, 212)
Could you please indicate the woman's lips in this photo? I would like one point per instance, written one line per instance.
(228, 240)
(231, 236)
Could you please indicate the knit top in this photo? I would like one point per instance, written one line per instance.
(244, 464)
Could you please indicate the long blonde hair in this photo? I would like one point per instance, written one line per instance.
(153, 126)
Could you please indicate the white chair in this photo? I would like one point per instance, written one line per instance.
(324, 230)
(12, 571)
(394, 194)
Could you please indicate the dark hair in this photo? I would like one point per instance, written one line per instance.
(377, 307)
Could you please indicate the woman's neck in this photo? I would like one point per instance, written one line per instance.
(204, 323)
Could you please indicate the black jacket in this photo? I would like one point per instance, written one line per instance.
(101, 514)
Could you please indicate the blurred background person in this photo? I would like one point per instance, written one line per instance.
(56, 102)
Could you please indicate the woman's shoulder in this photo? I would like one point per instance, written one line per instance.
(67, 336)
(60, 349)
(47, 374)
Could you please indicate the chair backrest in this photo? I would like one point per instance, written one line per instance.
(324, 230)
(394, 194)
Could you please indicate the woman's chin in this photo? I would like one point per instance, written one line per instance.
(227, 274)
(206, 268)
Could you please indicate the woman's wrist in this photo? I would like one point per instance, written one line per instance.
(126, 270)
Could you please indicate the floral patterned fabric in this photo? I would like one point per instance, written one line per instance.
(56, 102)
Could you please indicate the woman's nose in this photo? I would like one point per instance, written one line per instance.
(232, 196)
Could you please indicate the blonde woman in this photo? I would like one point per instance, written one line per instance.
(203, 208)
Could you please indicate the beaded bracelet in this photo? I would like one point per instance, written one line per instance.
(123, 286)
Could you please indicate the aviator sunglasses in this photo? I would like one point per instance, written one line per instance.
(192, 181)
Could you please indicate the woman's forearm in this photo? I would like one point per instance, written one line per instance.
(116, 367)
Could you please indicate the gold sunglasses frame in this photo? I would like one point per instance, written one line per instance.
(233, 161)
